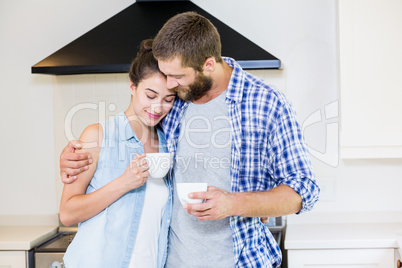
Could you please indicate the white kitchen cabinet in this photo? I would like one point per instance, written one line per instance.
(341, 258)
(370, 58)
(397, 257)
(13, 259)
(17, 241)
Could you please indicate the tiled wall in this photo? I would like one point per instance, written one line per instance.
(81, 100)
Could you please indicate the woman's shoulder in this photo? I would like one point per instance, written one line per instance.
(92, 136)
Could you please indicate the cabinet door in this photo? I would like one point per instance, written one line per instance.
(345, 258)
(397, 258)
(370, 57)
(12, 259)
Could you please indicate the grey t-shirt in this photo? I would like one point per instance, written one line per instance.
(203, 155)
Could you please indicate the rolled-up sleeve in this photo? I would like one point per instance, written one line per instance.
(290, 160)
(307, 189)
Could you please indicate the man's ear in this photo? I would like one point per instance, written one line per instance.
(209, 64)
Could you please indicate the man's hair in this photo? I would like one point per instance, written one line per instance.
(190, 37)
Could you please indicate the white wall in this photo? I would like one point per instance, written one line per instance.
(303, 34)
(29, 32)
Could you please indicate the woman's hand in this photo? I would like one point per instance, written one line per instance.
(136, 174)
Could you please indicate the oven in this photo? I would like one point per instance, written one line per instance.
(50, 253)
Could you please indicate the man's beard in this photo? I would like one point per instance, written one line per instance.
(201, 85)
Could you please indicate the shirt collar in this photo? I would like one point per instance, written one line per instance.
(235, 87)
(125, 130)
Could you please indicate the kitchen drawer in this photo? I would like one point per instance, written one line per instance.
(341, 258)
(13, 259)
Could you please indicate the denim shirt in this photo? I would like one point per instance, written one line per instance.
(107, 239)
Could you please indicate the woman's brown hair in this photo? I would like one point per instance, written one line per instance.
(144, 64)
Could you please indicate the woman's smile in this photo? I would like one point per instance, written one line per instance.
(153, 116)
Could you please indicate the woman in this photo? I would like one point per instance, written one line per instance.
(123, 214)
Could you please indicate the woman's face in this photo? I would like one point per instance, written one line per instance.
(152, 100)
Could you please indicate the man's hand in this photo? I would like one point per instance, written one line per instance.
(264, 220)
(280, 200)
(218, 205)
(72, 163)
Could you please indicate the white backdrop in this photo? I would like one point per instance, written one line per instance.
(303, 34)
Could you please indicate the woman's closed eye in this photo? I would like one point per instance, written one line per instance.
(169, 100)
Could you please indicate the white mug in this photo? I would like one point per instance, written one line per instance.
(159, 164)
(184, 188)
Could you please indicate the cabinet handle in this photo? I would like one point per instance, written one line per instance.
(398, 264)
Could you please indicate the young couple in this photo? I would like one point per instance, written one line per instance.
(128, 219)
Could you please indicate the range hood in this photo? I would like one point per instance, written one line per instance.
(111, 46)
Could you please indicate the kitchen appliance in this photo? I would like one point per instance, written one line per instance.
(111, 46)
(50, 253)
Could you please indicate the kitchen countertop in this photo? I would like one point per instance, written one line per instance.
(24, 237)
(342, 236)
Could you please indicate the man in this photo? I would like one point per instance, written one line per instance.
(240, 136)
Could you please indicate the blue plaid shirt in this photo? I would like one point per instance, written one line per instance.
(267, 150)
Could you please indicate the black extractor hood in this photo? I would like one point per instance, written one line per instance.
(111, 46)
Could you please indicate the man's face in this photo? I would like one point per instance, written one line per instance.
(189, 84)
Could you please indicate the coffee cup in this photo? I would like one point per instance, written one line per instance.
(184, 188)
(159, 164)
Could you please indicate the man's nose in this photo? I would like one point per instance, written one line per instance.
(171, 82)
